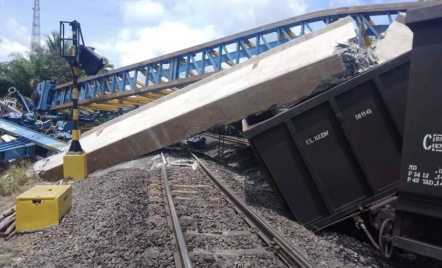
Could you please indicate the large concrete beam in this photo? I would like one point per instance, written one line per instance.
(397, 40)
(282, 75)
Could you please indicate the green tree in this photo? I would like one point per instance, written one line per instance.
(18, 73)
(52, 41)
(24, 73)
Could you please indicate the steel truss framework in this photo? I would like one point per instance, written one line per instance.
(141, 83)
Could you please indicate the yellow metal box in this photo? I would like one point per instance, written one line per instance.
(75, 165)
(42, 206)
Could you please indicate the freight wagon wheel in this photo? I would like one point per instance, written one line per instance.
(386, 238)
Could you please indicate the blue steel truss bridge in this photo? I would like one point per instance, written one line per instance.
(138, 84)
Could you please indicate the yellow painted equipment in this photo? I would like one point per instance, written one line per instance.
(42, 206)
(75, 165)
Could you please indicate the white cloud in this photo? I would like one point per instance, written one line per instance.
(135, 45)
(142, 11)
(232, 16)
(14, 30)
(152, 28)
(8, 47)
(345, 3)
(14, 38)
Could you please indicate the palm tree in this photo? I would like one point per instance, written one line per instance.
(107, 66)
(18, 73)
(53, 41)
(45, 63)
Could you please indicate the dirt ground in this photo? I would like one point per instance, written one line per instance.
(7, 201)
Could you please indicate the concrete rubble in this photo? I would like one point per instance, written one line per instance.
(356, 59)
(280, 76)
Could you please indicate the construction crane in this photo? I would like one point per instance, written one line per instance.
(36, 36)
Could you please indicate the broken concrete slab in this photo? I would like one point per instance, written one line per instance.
(396, 41)
(281, 75)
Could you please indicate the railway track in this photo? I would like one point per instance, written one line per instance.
(214, 228)
(227, 138)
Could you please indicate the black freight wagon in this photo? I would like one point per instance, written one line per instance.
(339, 152)
(418, 220)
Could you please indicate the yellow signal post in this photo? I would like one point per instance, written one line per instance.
(75, 160)
(85, 58)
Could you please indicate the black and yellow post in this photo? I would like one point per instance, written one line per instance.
(75, 160)
(84, 58)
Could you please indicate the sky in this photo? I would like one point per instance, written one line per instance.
(130, 31)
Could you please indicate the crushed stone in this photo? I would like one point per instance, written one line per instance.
(328, 248)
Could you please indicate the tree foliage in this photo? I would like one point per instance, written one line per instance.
(24, 73)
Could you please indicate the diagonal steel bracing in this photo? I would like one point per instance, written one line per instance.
(139, 83)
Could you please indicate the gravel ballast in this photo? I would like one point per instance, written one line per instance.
(216, 235)
(325, 249)
(112, 223)
(118, 219)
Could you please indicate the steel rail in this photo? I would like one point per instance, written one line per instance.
(178, 69)
(183, 252)
(286, 251)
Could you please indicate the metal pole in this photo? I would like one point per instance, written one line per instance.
(75, 160)
(75, 144)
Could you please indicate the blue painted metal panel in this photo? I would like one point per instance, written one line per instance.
(43, 96)
(36, 137)
(23, 101)
(18, 148)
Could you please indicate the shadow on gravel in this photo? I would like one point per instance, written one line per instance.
(244, 176)
(244, 173)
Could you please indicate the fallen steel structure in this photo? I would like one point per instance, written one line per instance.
(122, 90)
(17, 148)
(147, 81)
(25, 143)
(38, 138)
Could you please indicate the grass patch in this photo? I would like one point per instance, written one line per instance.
(18, 177)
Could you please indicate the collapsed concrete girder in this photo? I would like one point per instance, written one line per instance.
(282, 75)
(397, 40)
